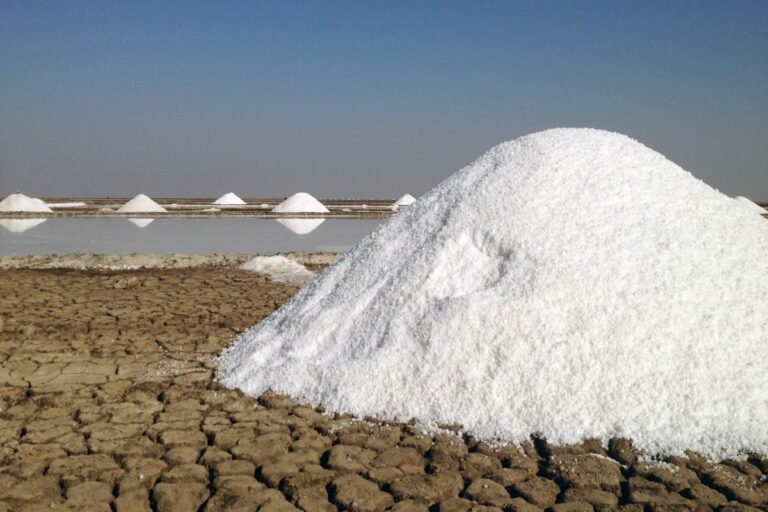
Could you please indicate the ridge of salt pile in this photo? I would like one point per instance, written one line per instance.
(141, 204)
(20, 203)
(230, 198)
(301, 202)
(571, 284)
(752, 206)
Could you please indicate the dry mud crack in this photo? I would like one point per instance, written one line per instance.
(109, 404)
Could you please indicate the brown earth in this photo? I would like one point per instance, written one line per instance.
(108, 403)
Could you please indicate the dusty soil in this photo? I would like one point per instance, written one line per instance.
(108, 403)
(148, 261)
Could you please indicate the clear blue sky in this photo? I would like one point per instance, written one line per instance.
(362, 98)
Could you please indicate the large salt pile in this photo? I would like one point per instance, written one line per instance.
(300, 202)
(21, 203)
(571, 284)
(230, 198)
(141, 204)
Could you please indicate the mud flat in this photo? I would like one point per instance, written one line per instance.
(109, 402)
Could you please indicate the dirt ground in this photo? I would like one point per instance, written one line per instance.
(109, 403)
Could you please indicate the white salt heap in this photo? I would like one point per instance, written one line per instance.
(280, 269)
(21, 203)
(749, 205)
(141, 204)
(406, 200)
(300, 203)
(230, 198)
(571, 284)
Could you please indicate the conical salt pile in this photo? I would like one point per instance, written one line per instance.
(571, 283)
(230, 198)
(405, 200)
(141, 204)
(300, 203)
(21, 203)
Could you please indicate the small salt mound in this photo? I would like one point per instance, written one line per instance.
(141, 223)
(300, 203)
(20, 225)
(301, 226)
(141, 204)
(405, 200)
(571, 284)
(229, 199)
(749, 205)
(280, 269)
(21, 203)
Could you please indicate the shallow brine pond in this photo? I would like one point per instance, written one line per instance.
(175, 235)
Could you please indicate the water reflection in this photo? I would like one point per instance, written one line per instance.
(111, 235)
(301, 226)
(141, 223)
(20, 225)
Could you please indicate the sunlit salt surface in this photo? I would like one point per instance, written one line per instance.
(199, 236)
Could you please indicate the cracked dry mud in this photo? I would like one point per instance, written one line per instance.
(108, 403)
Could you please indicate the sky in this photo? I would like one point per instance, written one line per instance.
(365, 99)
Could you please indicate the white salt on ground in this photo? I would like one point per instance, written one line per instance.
(70, 204)
(21, 203)
(300, 202)
(230, 198)
(280, 269)
(572, 283)
(749, 205)
(141, 204)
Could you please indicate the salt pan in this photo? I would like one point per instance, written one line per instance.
(571, 283)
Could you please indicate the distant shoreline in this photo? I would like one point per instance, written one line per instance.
(205, 207)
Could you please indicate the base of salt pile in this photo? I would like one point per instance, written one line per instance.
(572, 284)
